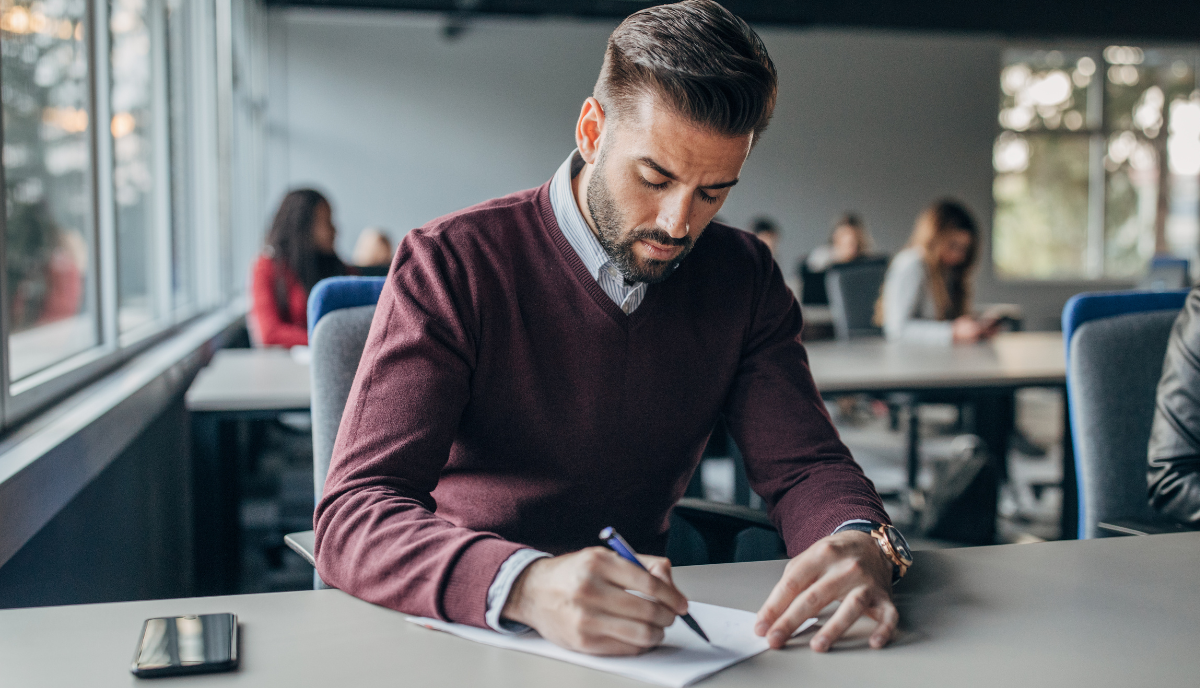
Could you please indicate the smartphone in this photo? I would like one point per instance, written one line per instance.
(176, 645)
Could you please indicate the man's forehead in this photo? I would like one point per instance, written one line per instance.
(654, 131)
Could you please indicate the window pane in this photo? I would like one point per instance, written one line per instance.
(132, 129)
(47, 158)
(1131, 202)
(1041, 193)
(1045, 89)
(183, 287)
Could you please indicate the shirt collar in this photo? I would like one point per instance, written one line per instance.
(570, 219)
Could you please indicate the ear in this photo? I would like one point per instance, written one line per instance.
(588, 130)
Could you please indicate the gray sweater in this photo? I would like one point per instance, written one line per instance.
(909, 313)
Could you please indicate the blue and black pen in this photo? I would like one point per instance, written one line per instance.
(617, 543)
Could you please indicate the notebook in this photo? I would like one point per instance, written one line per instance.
(682, 659)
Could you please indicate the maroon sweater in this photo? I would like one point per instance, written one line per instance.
(503, 401)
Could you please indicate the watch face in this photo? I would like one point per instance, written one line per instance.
(899, 545)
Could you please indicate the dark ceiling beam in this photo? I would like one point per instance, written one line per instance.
(1162, 20)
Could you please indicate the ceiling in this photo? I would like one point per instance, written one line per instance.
(1164, 20)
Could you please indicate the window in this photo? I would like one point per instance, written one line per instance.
(1086, 138)
(113, 225)
(50, 229)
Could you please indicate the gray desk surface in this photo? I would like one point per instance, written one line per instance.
(1114, 612)
(251, 380)
(1014, 359)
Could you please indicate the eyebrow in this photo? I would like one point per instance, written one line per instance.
(649, 162)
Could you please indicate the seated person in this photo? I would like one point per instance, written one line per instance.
(926, 295)
(767, 231)
(848, 242)
(550, 363)
(1174, 472)
(373, 248)
(299, 253)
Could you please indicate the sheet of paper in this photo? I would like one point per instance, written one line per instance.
(681, 660)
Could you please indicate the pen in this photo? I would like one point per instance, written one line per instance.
(613, 539)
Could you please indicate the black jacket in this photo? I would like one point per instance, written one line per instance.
(1174, 471)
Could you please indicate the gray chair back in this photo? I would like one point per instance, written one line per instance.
(853, 289)
(337, 345)
(1114, 367)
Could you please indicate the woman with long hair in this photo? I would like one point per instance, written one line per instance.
(299, 253)
(926, 295)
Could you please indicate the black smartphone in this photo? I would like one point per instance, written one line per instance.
(176, 645)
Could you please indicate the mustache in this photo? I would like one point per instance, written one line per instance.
(658, 236)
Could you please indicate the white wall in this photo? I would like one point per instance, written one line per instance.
(401, 125)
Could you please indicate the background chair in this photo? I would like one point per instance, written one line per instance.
(1166, 273)
(1115, 347)
(340, 310)
(853, 288)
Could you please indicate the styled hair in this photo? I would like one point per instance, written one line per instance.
(290, 244)
(950, 286)
(700, 59)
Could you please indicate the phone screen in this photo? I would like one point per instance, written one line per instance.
(187, 645)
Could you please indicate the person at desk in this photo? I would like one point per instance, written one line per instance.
(550, 363)
(848, 242)
(926, 294)
(1174, 452)
(299, 253)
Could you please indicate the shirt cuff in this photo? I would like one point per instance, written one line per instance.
(497, 595)
(852, 524)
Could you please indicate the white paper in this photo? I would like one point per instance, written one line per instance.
(681, 660)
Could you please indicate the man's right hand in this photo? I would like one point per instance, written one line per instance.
(579, 601)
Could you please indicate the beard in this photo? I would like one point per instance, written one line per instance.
(609, 221)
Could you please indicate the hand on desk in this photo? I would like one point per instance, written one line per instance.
(968, 330)
(848, 566)
(579, 601)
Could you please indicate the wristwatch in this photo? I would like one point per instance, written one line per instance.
(890, 541)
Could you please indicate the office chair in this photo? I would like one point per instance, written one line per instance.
(1166, 273)
(340, 310)
(853, 288)
(1115, 343)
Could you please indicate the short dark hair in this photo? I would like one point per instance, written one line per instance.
(700, 58)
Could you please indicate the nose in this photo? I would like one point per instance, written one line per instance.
(674, 215)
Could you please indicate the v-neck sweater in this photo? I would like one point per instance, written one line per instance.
(504, 401)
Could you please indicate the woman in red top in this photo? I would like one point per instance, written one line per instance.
(299, 253)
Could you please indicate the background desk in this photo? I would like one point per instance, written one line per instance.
(239, 385)
(1112, 612)
(983, 375)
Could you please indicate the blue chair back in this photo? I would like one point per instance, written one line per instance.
(1166, 273)
(1115, 343)
(340, 310)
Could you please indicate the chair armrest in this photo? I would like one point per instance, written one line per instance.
(720, 524)
(1127, 527)
(303, 543)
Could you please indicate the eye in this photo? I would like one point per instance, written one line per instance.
(657, 187)
(707, 198)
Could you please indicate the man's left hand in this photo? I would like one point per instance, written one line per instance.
(848, 566)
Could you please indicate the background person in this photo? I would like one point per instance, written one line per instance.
(373, 248)
(848, 241)
(1174, 452)
(767, 230)
(926, 295)
(299, 253)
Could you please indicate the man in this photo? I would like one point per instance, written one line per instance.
(1174, 454)
(550, 363)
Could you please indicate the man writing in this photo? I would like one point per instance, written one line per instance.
(546, 364)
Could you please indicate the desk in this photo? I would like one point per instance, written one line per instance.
(238, 385)
(1111, 612)
(1010, 361)
(984, 375)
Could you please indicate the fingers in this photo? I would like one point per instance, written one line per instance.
(800, 573)
(658, 566)
(885, 612)
(629, 577)
(803, 607)
(852, 607)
